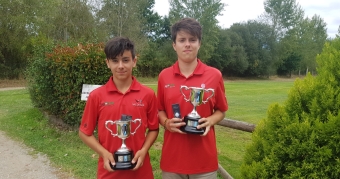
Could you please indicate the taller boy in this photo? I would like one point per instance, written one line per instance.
(122, 94)
(189, 155)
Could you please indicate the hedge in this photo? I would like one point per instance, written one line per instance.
(56, 77)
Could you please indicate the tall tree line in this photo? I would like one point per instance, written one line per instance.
(281, 41)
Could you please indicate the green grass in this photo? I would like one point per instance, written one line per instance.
(24, 123)
(248, 101)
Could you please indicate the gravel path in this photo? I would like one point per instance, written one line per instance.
(17, 163)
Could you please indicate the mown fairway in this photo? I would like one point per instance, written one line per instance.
(248, 101)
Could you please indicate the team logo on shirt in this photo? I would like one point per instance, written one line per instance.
(169, 85)
(138, 103)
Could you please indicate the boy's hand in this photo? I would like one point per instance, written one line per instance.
(174, 124)
(108, 159)
(210, 121)
(204, 122)
(139, 158)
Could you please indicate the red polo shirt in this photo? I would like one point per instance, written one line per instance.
(107, 103)
(190, 153)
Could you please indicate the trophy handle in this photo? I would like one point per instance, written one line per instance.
(134, 121)
(212, 94)
(186, 88)
(107, 127)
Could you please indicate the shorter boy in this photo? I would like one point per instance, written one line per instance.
(121, 95)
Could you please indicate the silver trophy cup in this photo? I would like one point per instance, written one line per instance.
(196, 99)
(123, 156)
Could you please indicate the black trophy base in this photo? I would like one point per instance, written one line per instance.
(123, 161)
(191, 126)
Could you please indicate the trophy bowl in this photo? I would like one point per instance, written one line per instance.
(124, 155)
(196, 99)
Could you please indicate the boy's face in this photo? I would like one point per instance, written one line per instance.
(121, 66)
(186, 46)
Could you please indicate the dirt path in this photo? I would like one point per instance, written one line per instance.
(16, 162)
(11, 88)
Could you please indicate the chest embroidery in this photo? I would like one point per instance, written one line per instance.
(169, 85)
(138, 103)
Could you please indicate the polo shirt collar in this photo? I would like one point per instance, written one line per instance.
(199, 70)
(135, 86)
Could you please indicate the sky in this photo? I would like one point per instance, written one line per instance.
(243, 10)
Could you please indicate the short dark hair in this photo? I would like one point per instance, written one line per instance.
(189, 25)
(117, 45)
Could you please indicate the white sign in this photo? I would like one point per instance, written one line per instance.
(87, 90)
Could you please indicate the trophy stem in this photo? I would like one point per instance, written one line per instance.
(123, 147)
(194, 113)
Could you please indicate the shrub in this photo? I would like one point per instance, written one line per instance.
(300, 139)
(38, 77)
(72, 67)
(57, 76)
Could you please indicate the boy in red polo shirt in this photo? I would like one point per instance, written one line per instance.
(121, 95)
(186, 155)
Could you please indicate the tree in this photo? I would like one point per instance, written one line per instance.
(306, 40)
(72, 19)
(160, 53)
(258, 42)
(220, 59)
(312, 34)
(294, 34)
(153, 26)
(124, 18)
(283, 15)
(290, 64)
(204, 11)
(16, 25)
(266, 48)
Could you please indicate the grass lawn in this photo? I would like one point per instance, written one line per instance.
(248, 101)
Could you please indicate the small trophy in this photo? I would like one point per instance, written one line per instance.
(196, 99)
(123, 156)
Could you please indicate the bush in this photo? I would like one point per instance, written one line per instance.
(300, 139)
(38, 77)
(56, 77)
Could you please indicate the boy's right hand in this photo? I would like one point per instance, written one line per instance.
(174, 124)
(108, 161)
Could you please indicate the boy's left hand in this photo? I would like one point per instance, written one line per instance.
(204, 122)
(139, 158)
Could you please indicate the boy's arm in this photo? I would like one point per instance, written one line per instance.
(220, 107)
(93, 143)
(140, 154)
